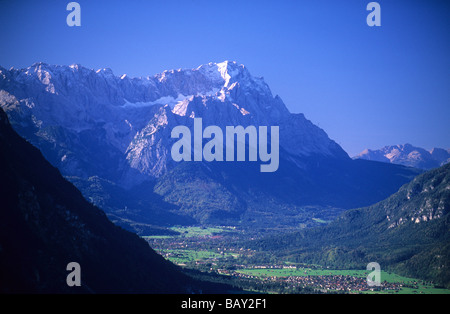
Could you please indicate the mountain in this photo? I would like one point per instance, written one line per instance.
(45, 223)
(408, 155)
(100, 120)
(93, 124)
(408, 232)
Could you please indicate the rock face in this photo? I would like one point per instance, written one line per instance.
(129, 120)
(92, 123)
(408, 155)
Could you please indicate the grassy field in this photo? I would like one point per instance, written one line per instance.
(191, 232)
(286, 272)
(178, 252)
(385, 276)
(187, 256)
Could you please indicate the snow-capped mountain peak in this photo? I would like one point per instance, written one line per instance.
(127, 111)
(408, 155)
(92, 123)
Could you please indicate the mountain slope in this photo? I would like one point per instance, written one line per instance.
(408, 232)
(94, 124)
(408, 155)
(45, 223)
(86, 121)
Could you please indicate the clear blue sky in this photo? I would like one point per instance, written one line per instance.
(366, 87)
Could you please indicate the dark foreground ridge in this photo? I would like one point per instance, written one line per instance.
(45, 223)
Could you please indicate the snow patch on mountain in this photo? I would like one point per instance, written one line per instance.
(132, 117)
(408, 155)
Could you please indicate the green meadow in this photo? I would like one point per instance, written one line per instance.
(191, 232)
(419, 286)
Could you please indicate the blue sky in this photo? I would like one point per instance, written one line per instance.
(367, 87)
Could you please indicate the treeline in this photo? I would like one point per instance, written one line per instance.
(361, 236)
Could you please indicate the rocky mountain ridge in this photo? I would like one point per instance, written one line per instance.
(408, 155)
(91, 123)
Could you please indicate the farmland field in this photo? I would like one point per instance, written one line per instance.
(220, 252)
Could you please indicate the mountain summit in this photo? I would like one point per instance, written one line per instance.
(92, 123)
(123, 113)
(408, 155)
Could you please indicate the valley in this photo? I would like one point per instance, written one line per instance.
(311, 226)
(225, 155)
(221, 254)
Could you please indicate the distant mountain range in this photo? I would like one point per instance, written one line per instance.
(408, 155)
(409, 232)
(110, 135)
(45, 224)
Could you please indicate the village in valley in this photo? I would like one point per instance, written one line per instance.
(219, 254)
